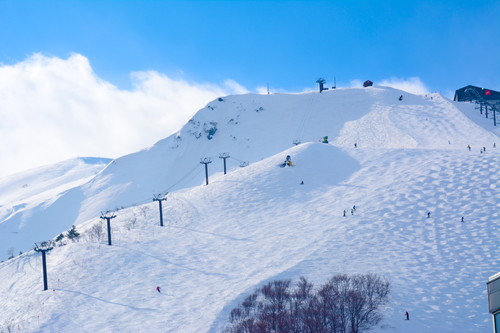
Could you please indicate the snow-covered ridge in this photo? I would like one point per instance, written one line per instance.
(36, 181)
(23, 193)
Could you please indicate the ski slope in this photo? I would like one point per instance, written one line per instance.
(259, 223)
(252, 127)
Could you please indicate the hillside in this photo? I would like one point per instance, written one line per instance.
(24, 194)
(252, 127)
(259, 223)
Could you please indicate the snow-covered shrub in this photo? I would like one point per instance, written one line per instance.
(145, 211)
(73, 234)
(131, 223)
(95, 233)
(59, 239)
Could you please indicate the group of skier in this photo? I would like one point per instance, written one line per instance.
(353, 209)
(483, 149)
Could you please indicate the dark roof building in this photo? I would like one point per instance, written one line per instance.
(493, 286)
(367, 83)
(486, 98)
(473, 93)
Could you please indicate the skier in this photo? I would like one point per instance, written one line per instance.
(344, 212)
(407, 315)
(401, 97)
(302, 183)
(354, 208)
(325, 139)
(355, 145)
(428, 215)
(484, 149)
(352, 211)
(462, 218)
(468, 146)
(158, 289)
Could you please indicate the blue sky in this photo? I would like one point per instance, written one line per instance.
(107, 78)
(288, 44)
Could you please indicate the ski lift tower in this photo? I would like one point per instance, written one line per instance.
(44, 247)
(321, 81)
(224, 156)
(108, 216)
(160, 198)
(206, 161)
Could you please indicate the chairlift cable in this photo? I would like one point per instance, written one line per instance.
(305, 118)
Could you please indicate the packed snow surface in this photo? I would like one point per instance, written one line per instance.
(259, 223)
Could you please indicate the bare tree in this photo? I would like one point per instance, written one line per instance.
(131, 223)
(95, 233)
(369, 294)
(344, 304)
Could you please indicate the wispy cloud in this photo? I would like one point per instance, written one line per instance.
(412, 85)
(52, 109)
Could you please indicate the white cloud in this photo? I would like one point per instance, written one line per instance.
(355, 83)
(52, 109)
(235, 87)
(412, 85)
(261, 90)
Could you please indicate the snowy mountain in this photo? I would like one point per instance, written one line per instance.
(259, 223)
(24, 194)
